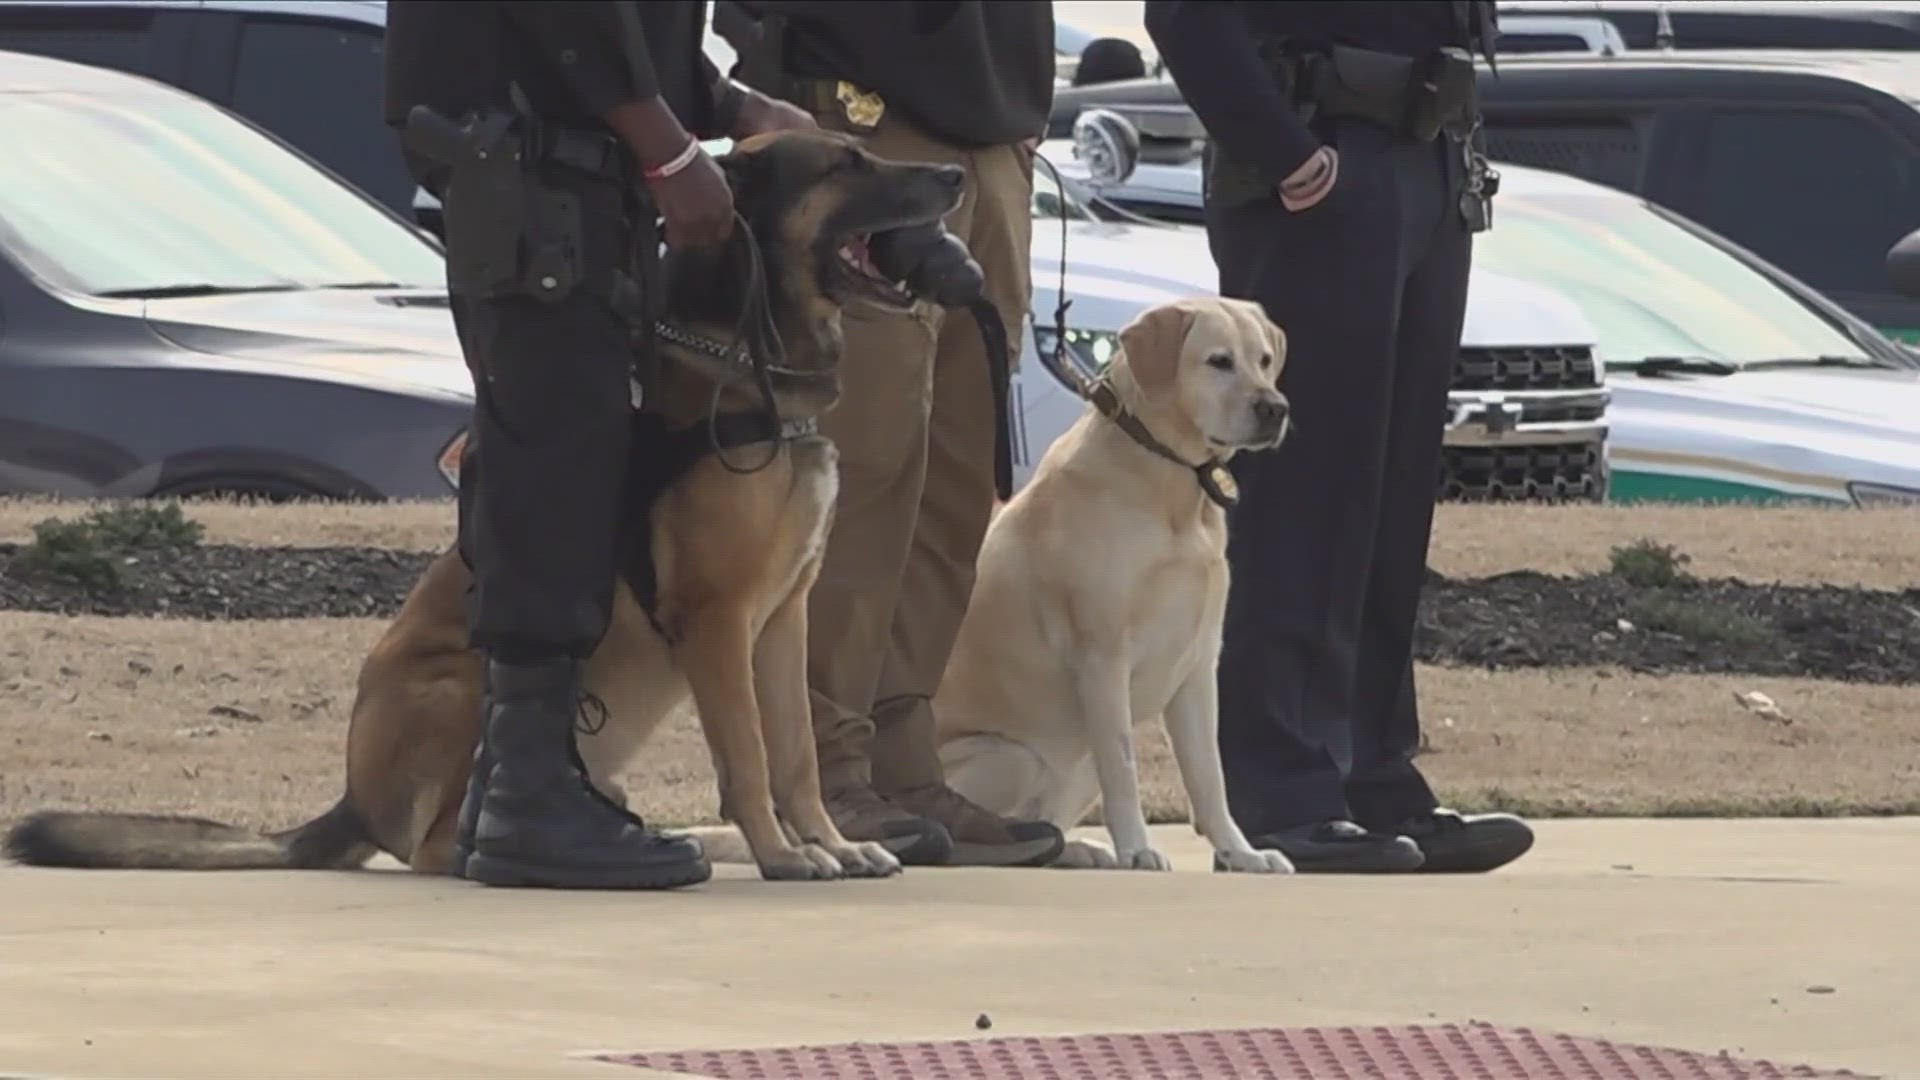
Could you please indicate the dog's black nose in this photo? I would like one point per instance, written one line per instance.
(1270, 411)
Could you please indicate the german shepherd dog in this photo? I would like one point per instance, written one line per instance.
(732, 556)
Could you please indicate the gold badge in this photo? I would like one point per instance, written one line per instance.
(863, 108)
(1224, 483)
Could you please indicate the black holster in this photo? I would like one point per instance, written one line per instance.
(1415, 98)
(517, 195)
(510, 229)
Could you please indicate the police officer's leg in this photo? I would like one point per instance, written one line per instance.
(880, 429)
(550, 428)
(1299, 541)
(956, 503)
(1384, 788)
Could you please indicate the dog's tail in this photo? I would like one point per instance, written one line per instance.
(722, 843)
(336, 840)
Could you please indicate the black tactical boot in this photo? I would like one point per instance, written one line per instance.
(470, 807)
(540, 821)
(476, 786)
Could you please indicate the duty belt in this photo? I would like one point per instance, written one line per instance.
(1415, 97)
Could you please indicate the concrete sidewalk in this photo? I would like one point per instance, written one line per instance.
(1794, 941)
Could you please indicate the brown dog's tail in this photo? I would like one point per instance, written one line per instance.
(722, 843)
(336, 840)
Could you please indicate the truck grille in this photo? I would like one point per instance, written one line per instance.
(1565, 367)
(1546, 473)
(1554, 411)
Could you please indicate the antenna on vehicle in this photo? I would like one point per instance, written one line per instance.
(1663, 29)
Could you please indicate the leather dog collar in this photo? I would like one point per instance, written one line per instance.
(1215, 480)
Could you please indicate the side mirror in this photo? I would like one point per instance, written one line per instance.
(1903, 266)
(1108, 143)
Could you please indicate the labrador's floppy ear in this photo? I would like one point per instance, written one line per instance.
(1276, 339)
(1152, 342)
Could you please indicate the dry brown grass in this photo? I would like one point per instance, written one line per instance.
(1810, 546)
(409, 526)
(1571, 741)
(1874, 548)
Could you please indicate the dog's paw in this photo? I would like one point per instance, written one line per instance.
(1250, 861)
(1143, 859)
(867, 860)
(1085, 855)
(808, 862)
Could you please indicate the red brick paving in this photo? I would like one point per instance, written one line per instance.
(1441, 1052)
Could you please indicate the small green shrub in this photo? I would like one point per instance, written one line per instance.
(91, 551)
(135, 527)
(67, 549)
(1647, 565)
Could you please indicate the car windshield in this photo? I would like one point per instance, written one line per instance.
(1650, 287)
(145, 195)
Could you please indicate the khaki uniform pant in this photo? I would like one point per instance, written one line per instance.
(915, 431)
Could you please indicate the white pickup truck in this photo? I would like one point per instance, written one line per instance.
(1730, 381)
(1529, 397)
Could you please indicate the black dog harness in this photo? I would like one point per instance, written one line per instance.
(658, 457)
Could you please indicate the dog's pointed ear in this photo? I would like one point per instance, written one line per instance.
(1152, 342)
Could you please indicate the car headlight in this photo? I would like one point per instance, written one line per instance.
(1089, 351)
(449, 460)
(1869, 495)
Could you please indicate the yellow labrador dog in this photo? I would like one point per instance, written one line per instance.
(1102, 586)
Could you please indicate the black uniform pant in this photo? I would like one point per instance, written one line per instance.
(1328, 546)
(541, 484)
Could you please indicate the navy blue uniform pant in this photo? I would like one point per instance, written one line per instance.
(1328, 547)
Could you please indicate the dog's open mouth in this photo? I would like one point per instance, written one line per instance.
(855, 272)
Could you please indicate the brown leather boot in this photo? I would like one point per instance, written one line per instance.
(981, 837)
(860, 813)
(906, 771)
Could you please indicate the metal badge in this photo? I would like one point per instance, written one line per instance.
(863, 108)
(1220, 485)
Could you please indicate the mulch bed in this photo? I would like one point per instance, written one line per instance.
(1516, 620)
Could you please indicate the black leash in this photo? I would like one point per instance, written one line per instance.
(993, 338)
(1214, 479)
(760, 351)
(1058, 362)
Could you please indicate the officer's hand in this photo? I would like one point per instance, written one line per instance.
(1311, 182)
(760, 114)
(696, 203)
